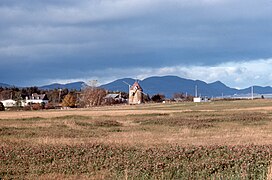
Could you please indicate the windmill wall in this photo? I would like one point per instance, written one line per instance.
(135, 94)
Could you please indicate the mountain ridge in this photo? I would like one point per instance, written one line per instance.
(74, 85)
(5, 85)
(167, 85)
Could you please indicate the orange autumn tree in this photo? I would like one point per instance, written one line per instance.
(69, 100)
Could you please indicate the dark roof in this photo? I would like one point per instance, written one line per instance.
(112, 96)
(39, 96)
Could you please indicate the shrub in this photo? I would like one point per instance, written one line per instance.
(27, 108)
(36, 106)
(49, 106)
(158, 98)
(2, 107)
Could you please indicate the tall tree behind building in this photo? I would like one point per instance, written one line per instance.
(92, 96)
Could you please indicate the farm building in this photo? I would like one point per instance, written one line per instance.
(135, 94)
(114, 98)
(34, 99)
(201, 99)
(9, 103)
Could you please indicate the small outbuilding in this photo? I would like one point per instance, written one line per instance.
(201, 99)
(114, 98)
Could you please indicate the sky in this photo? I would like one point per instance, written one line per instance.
(63, 41)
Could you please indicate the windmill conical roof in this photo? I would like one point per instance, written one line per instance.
(136, 85)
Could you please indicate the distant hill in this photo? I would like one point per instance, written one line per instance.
(168, 85)
(119, 85)
(5, 85)
(74, 85)
(257, 89)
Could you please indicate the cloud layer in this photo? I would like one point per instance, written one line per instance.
(43, 41)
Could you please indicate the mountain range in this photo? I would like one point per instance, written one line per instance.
(74, 85)
(167, 85)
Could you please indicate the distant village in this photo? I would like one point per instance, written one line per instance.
(33, 98)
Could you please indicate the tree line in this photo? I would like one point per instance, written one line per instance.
(87, 97)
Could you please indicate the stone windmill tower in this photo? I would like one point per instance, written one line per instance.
(135, 94)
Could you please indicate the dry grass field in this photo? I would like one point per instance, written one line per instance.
(218, 140)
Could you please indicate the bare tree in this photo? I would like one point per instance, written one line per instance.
(182, 97)
(6, 94)
(92, 96)
(179, 96)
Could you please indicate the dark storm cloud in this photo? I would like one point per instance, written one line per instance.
(65, 39)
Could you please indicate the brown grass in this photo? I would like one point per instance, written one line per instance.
(269, 175)
(84, 112)
(145, 125)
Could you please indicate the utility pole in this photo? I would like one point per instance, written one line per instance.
(128, 90)
(252, 93)
(196, 91)
(59, 94)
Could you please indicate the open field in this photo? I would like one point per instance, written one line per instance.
(231, 139)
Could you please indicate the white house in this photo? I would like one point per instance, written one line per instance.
(9, 103)
(35, 99)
